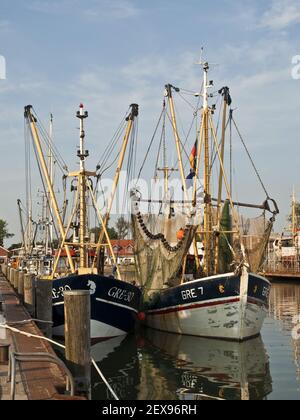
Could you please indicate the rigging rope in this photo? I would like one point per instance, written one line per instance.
(151, 144)
(250, 157)
(113, 142)
(51, 146)
(45, 190)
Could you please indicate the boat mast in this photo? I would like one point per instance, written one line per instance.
(30, 226)
(130, 121)
(294, 219)
(22, 225)
(49, 207)
(82, 181)
(169, 95)
(32, 121)
(165, 169)
(208, 258)
(225, 92)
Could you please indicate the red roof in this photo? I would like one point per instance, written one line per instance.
(3, 252)
(123, 247)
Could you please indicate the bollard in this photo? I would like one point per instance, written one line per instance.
(44, 306)
(11, 276)
(78, 338)
(21, 285)
(16, 279)
(4, 354)
(29, 293)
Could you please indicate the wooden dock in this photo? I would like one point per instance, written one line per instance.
(278, 275)
(34, 380)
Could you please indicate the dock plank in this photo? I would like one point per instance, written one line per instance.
(40, 381)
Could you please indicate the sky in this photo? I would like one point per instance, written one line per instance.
(111, 53)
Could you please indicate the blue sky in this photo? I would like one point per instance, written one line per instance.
(110, 53)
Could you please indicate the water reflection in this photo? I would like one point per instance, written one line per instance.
(118, 359)
(284, 317)
(285, 304)
(160, 366)
(214, 369)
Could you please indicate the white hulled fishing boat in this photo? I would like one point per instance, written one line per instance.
(223, 296)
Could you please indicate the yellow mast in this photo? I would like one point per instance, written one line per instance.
(130, 119)
(225, 92)
(210, 252)
(169, 95)
(36, 139)
(177, 139)
(294, 218)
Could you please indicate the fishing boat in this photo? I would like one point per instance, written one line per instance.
(224, 295)
(114, 302)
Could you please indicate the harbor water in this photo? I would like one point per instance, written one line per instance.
(152, 365)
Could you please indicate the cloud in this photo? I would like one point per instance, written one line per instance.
(258, 74)
(118, 9)
(92, 10)
(283, 14)
(4, 24)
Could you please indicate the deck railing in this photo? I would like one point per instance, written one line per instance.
(287, 265)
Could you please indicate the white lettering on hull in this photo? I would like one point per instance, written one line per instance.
(121, 294)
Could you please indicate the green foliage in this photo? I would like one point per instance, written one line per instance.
(297, 208)
(113, 234)
(122, 228)
(4, 234)
(15, 246)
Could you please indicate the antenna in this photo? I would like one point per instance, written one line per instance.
(201, 54)
(207, 84)
(204, 63)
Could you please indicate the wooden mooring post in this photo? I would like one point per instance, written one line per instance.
(78, 338)
(29, 293)
(21, 286)
(11, 276)
(16, 279)
(44, 306)
(4, 353)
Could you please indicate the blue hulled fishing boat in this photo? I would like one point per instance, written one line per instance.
(79, 261)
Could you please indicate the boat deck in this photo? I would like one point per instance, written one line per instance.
(283, 275)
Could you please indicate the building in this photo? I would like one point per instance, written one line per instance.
(3, 255)
(123, 250)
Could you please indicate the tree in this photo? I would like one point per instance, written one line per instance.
(112, 233)
(15, 246)
(297, 212)
(122, 228)
(4, 232)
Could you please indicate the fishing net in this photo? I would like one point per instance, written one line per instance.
(159, 253)
(253, 240)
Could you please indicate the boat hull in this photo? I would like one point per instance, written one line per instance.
(114, 304)
(227, 307)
